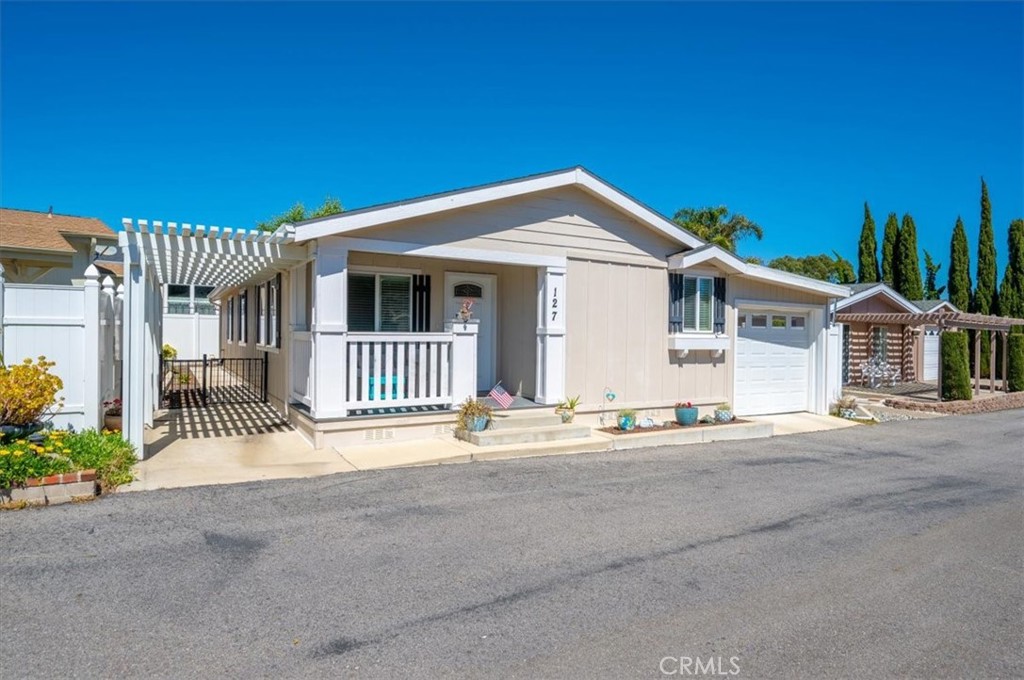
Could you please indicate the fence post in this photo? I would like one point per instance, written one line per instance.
(463, 359)
(204, 393)
(263, 382)
(91, 363)
(2, 310)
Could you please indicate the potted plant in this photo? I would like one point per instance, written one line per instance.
(28, 397)
(473, 416)
(627, 419)
(112, 415)
(567, 408)
(723, 413)
(686, 413)
(846, 407)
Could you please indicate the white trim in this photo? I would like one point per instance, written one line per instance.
(874, 290)
(943, 303)
(367, 269)
(368, 245)
(709, 253)
(347, 222)
(770, 305)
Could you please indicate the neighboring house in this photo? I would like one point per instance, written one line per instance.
(912, 352)
(576, 289)
(191, 324)
(49, 248)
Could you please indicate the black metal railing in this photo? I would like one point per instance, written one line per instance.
(199, 382)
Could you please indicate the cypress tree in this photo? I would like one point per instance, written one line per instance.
(985, 291)
(907, 265)
(1011, 292)
(958, 285)
(889, 237)
(867, 250)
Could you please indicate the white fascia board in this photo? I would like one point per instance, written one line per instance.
(714, 254)
(880, 289)
(730, 263)
(344, 223)
(779, 277)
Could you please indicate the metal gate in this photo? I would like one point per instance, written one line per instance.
(186, 383)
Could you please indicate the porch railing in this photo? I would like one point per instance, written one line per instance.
(399, 369)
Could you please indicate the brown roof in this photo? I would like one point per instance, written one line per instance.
(112, 268)
(45, 231)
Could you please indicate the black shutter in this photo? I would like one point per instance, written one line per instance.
(719, 304)
(675, 303)
(420, 303)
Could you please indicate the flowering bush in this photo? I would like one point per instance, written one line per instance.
(684, 404)
(56, 451)
(28, 391)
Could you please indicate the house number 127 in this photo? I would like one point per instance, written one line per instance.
(554, 304)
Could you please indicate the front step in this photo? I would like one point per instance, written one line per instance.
(498, 436)
(507, 421)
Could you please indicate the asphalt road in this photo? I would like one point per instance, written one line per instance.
(893, 550)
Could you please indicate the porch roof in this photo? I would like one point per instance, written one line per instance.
(943, 319)
(209, 256)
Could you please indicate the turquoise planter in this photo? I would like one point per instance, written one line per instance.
(627, 423)
(686, 416)
(478, 424)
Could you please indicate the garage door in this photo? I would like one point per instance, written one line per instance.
(931, 355)
(772, 363)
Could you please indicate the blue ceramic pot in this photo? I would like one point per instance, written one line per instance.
(723, 416)
(477, 423)
(686, 416)
(627, 423)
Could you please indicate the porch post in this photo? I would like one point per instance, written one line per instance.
(550, 335)
(91, 366)
(938, 386)
(992, 362)
(1006, 358)
(330, 329)
(977, 363)
(463, 361)
(133, 364)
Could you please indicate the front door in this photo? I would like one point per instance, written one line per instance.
(480, 289)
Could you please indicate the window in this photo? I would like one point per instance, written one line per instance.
(243, 317)
(274, 318)
(759, 320)
(229, 320)
(741, 321)
(778, 322)
(261, 315)
(797, 322)
(202, 300)
(880, 342)
(178, 299)
(697, 303)
(379, 303)
(468, 290)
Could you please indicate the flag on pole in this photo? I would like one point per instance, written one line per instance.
(499, 395)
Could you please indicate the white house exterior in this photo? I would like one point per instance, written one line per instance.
(577, 289)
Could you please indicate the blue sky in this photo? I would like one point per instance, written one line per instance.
(793, 114)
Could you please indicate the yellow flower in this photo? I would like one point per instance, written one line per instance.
(67, 450)
(17, 453)
(3, 452)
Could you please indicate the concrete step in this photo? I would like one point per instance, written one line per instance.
(506, 421)
(528, 435)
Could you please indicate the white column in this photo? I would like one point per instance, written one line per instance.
(330, 328)
(1, 309)
(91, 365)
(463, 361)
(550, 335)
(133, 364)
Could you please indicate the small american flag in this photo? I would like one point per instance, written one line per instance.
(499, 395)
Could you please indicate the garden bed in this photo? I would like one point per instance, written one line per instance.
(961, 407)
(668, 425)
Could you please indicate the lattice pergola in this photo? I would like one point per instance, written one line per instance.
(950, 321)
(210, 256)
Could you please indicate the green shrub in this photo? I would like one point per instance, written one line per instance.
(955, 366)
(56, 451)
(1015, 362)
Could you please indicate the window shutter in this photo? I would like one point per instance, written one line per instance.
(361, 303)
(719, 304)
(675, 303)
(420, 303)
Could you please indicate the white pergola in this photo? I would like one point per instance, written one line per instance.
(158, 253)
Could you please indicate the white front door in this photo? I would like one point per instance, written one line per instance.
(479, 288)
(772, 362)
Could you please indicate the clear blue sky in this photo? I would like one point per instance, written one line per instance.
(793, 114)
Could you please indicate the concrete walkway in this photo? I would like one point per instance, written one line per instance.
(227, 444)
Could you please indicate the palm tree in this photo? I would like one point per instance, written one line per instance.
(717, 226)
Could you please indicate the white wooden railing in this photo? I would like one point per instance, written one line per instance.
(399, 369)
(302, 367)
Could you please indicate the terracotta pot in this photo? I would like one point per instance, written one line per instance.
(112, 423)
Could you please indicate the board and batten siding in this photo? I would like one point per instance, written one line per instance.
(277, 360)
(565, 221)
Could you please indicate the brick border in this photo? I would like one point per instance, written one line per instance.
(1001, 403)
(53, 489)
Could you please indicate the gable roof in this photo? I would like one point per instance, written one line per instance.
(31, 230)
(863, 291)
(435, 203)
(934, 305)
(731, 263)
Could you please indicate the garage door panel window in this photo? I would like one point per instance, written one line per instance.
(759, 320)
(778, 322)
(797, 322)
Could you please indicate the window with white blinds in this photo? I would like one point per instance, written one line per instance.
(379, 303)
(697, 301)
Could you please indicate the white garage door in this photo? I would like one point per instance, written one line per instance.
(772, 363)
(931, 355)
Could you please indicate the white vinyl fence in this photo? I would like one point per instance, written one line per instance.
(78, 327)
(192, 335)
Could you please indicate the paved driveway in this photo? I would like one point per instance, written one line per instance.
(893, 550)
